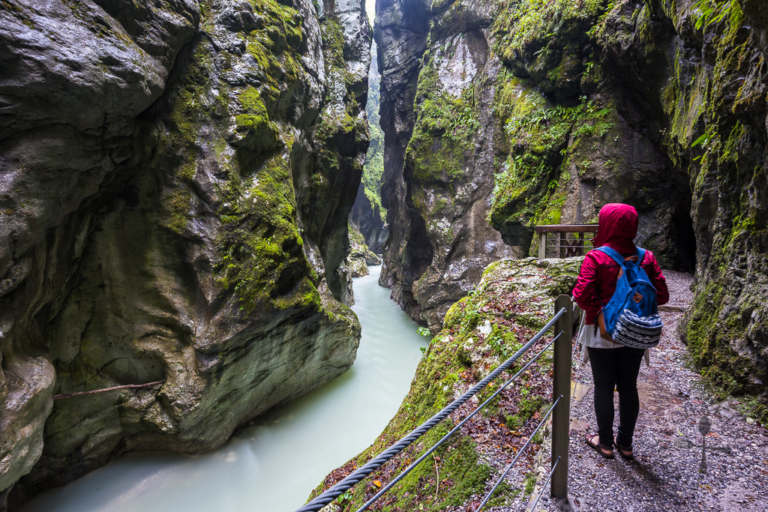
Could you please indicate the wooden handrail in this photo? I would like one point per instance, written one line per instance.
(567, 247)
(567, 228)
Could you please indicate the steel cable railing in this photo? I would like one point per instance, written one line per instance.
(356, 476)
(544, 487)
(455, 429)
(519, 453)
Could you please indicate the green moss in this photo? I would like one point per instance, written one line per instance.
(175, 210)
(260, 246)
(707, 336)
(256, 131)
(333, 37)
(441, 144)
(454, 313)
(525, 410)
(532, 23)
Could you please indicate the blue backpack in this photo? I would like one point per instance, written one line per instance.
(631, 316)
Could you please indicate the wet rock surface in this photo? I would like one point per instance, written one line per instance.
(367, 213)
(360, 256)
(176, 186)
(499, 117)
(440, 136)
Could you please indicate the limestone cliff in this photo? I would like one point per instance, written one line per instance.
(176, 182)
(502, 115)
(439, 151)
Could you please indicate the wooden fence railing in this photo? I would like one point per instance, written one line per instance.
(566, 247)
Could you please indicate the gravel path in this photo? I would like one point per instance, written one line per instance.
(665, 475)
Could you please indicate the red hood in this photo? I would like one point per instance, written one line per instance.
(617, 227)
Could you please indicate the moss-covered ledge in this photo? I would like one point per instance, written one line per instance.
(512, 302)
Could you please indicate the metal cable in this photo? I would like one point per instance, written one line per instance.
(455, 429)
(544, 487)
(355, 477)
(519, 453)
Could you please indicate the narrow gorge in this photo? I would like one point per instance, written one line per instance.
(499, 116)
(176, 182)
(189, 187)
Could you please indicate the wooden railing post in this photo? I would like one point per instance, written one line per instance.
(542, 246)
(562, 386)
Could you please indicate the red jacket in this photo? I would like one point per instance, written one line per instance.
(617, 229)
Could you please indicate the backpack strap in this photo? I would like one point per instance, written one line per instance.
(618, 258)
(640, 255)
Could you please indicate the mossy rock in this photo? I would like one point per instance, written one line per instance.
(480, 331)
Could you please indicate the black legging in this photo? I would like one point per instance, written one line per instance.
(616, 368)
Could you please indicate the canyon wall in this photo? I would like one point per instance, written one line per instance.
(440, 146)
(176, 183)
(499, 116)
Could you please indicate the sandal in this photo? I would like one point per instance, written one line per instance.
(592, 441)
(624, 452)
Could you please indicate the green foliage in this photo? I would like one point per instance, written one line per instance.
(344, 499)
(452, 119)
(525, 411)
(528, 22)
(530, 483)
(373, 171)
(709, 12)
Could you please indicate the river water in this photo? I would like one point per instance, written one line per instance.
(274, 465)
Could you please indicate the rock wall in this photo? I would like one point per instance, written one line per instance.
(504, 115)
(440, 146)
(360, 255)
(671, 119)
(176, 183)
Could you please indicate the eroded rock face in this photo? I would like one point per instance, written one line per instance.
(548, 110)
(367, 214)
(175, 193)
(673, 105)
(440, 137)
(361, 255)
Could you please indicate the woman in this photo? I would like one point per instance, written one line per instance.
(614, 366)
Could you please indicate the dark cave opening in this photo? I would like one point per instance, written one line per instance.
(684, 257)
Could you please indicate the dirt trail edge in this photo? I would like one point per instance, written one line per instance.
(666, 473)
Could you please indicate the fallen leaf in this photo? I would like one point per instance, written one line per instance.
(377, 483)
(712, 434)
